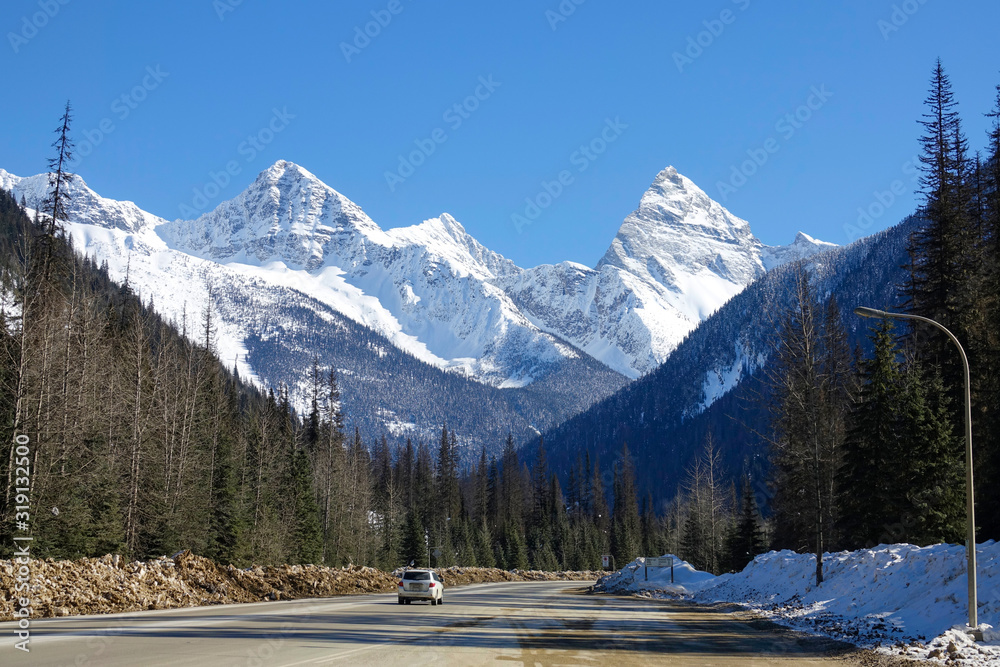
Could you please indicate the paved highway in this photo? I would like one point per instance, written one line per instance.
(543, 623)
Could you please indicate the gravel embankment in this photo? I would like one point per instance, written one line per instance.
(110, 584)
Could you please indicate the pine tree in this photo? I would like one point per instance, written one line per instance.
(810, 396)
(311, 435)
(226, 526)
(307, 536)
(413, 549)
(512, 491)
(986, 418)
(943, 250)
(748, 535)
(933, 463)
(871, 490)
(514, 549)
(484, 544)
(625, 537)
(58, 197)
(559, 524)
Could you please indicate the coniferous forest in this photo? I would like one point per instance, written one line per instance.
(143, 443)
(872, 450)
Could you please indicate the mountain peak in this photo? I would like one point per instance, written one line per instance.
(283, 168)
(680, 229)
(286, 214)
(803, 247)
(452, 225)
(673, 185)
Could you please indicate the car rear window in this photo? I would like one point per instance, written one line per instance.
(417, 576)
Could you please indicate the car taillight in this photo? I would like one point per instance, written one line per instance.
(430, 585)
(401, 583)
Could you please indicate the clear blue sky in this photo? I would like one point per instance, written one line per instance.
(226, 71)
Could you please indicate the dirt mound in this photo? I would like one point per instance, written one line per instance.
(109, 584)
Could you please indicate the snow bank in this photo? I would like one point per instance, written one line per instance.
(633, 578)
(899, 597)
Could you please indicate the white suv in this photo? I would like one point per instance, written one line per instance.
(421, 585)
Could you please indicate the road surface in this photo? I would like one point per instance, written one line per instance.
(537, 623)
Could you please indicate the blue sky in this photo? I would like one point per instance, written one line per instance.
(200, 78)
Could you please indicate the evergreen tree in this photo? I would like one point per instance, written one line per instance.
(933, 463)
(484, 544)
(625, 536)
(871, 490)
(226, 524)
(307, 536)
(600, 517)
(811, 395)
(58, 197)
(559, 523)
(514, 549)
(944, 252)
(413, 549)
(748, 535)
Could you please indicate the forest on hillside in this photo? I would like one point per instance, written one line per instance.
(123, 434)
(873, 450)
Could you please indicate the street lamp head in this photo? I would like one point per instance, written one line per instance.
(871, 312)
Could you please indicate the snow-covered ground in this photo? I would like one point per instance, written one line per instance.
(898, 598)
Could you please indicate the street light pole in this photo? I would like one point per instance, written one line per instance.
(970, 509)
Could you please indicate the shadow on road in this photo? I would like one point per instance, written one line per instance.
(560, 623)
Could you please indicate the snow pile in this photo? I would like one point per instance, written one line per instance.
(901, 598)
(636, 578)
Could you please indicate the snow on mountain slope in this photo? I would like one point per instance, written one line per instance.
(84, 206)
(427, 288)
(431, 288)
(803, 247)
(675, 260)
(678, 233)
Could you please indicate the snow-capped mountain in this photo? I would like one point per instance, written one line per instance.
(674, 262)
(803, 247)
(431, 289)
(272, 317)
(716, 382)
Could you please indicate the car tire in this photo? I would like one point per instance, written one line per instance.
(433, 602)
(441, 600)
(400, 600)
(406, 601)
